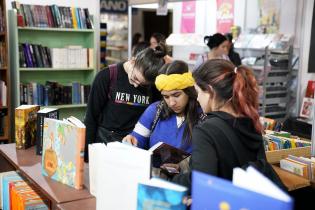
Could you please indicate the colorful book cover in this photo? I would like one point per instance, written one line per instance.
(5, 191)
(309, 93)
(41, 114)
(160, 194)
(25, 126)
(2, 175)
(63, 149)
(211, 192)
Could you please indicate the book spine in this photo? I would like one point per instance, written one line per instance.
(79, 179)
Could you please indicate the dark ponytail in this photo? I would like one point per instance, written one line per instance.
(214, 41)
(149, 61)
(237, 85)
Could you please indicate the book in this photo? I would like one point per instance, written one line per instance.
(41, 114)
(243, 193)
(165, 153)
(295, 167)
(119, 168)
(307, 108)
(63, 146)
(5, 191)
(1, 186)
(156, 194)
(25, 126)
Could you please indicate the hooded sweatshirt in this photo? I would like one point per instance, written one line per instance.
(212, 151)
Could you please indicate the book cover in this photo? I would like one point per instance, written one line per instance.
(25, 126)
(41, 114)
(63, 149)
(160, 194)
(165, 153)
(307, 108)
(1, 192)
(5, 191)
(211, 192)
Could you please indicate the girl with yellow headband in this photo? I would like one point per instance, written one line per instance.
(172, 119)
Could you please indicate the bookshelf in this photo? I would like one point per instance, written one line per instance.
(50, 38)
(4, 77)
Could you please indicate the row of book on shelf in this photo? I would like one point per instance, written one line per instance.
(301, 166)
(61, 143)
(3, 93)
(52, 16)
(3, 53)
(53, 93)
(2, 20)
(74, 56)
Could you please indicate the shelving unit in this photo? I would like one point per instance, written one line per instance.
(273, 81)
(51, 38)
(5, 115)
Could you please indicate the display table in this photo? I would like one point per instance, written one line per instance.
(29, 164)
(86, 204)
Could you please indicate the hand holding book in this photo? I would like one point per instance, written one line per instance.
(130, 139)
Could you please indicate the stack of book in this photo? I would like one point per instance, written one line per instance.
(282, 140)
(302, 166)
(16, 193)
(52, 16)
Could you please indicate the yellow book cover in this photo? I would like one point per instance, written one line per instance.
(25, 125)
(74, 18)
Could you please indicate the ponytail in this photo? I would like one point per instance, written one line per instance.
(245, 95)
(235, 84)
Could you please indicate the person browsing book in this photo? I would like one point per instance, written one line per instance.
(229, 96)
(116, 102)
(172, 119)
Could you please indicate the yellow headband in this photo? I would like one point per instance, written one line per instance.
(174, 81)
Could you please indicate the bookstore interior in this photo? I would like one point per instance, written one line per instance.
(97, 98)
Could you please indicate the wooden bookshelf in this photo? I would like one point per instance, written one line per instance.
(5, 75)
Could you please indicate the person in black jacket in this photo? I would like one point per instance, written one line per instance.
(233, 56)
(229, 95)
(115, 104)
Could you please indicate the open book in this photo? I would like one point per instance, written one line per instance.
(249, 190)
(156, 194)
(165, 153)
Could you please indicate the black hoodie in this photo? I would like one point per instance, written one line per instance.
(212, 152)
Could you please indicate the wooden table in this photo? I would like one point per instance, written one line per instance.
(29, 164)
(86, 204)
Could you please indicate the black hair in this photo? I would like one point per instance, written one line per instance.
(149, 61)
(135, 39)
(215, 40)
(139, 47)
(192, 108)
(229, 37)
(159, 37)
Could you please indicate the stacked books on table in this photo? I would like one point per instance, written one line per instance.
(282, 140)
(301, 166)
(16, 193)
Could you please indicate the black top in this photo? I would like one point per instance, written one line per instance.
(120, 113)
(213, 153)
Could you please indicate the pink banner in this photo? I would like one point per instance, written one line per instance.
(225, 15)
(188, 17)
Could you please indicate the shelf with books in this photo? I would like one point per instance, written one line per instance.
(56, 69)
(51, 59)
(5, 116)
(56, 29)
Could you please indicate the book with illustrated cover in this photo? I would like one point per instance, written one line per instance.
(165, 153)
(25, 125)
(307, 108)
(5, 190)
(41, 114)
(156, 194)
(309, 93)
(242, 193)
(63, 149)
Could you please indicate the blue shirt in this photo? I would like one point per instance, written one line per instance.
(169, 130)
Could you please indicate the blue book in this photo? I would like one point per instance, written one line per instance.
(210, 192)
(5, 192)
(160, 194)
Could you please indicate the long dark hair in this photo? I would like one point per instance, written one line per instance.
(191, 110)
(230, 83)
(149, 61)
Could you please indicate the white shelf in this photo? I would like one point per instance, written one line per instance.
(55, 29)
(67, 106)
(56, 69)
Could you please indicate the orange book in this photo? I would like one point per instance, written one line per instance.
(25, 126)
